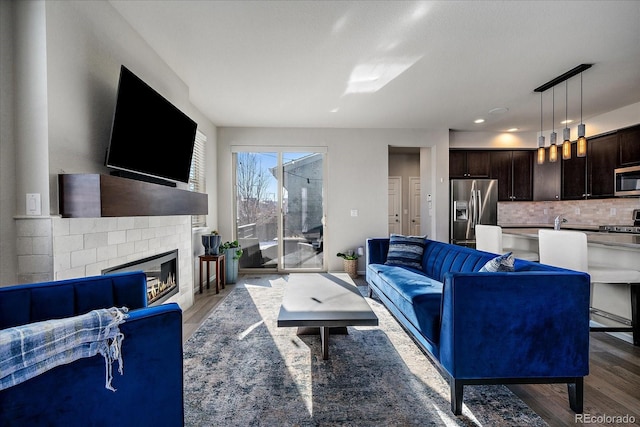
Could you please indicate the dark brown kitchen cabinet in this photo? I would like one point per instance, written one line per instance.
(468, 164)
(602, 158)
(513, 170)
(591, 176)
(546, 179)
(574, 176)
(629, 146)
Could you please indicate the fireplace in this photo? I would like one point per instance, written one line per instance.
(162, 275)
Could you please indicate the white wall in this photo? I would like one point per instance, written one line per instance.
(7, 148)
(86, 44)
(83, 45)
(357, 178)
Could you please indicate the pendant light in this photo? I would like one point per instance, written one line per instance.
(541, 137)
(566, 144)
(582, 141)
(553, 149)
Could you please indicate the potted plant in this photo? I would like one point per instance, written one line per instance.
(211, 243)
(232, 253)
(350, 261)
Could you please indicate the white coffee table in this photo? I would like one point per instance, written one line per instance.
(323, 301)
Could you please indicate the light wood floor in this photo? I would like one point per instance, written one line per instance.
(612, 388)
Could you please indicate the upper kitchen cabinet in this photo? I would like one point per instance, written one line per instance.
(513, 170)
(602, 158)
(629, 146)
(546, 179)
(574, 176)
(591, 176)
(469, 164)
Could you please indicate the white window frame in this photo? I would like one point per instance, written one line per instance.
(197, 181)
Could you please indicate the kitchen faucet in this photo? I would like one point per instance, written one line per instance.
(557, 223)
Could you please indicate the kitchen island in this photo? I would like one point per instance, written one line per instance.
(611, 304)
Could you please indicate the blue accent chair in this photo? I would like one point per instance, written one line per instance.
(150, 391)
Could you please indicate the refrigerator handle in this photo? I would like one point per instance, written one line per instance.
(478, 207)
(472, 209)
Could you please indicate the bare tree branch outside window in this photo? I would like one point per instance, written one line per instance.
(252, 182)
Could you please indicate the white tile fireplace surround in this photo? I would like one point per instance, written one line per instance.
(60, 248)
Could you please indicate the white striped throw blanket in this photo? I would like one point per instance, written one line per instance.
(32, 349)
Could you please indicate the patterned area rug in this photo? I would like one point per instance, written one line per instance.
(240, 369)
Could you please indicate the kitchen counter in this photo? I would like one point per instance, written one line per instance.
(610, 302)
(623, 240)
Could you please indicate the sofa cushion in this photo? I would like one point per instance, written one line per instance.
(417, 296)
(500, 263)
(405, 251)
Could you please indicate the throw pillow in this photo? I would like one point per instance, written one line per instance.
(405, 251)
(499, 263)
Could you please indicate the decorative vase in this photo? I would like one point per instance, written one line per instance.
(211, 243)
(351, 267)
(231, 265)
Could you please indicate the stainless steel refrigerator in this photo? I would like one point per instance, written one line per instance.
(473, 201)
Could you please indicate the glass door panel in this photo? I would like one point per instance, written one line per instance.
(257, 209)
(303, 211)
(280, 210)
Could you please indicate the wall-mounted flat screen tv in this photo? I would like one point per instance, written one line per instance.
(149, 135)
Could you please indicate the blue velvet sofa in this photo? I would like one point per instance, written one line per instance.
(149, 393)
(526, 326)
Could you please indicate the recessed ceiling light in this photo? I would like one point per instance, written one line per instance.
(564, 122)
(335, 110)
(512, 130)
(478, 121)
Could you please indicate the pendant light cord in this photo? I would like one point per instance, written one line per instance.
(566, 103)
(540, 113)
(580, 98)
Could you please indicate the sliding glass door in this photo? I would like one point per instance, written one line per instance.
(280, 209)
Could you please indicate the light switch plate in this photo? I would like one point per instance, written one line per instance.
(34, 205)
(354, 212)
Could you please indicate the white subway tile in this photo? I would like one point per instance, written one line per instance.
(28, 264)
(42, 246)
(83, 257)
(116, 237)
(68, 243)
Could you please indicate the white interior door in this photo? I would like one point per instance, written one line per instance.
(414, 206)
(395, 205)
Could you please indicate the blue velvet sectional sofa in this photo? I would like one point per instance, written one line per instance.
(526, 326)
(149, 393)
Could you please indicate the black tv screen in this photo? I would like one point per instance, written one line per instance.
(149, 135)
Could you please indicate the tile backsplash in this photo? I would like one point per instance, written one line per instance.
(591, 213)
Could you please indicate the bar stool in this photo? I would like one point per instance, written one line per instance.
(568, 249)
(489, 239)
(220, 270)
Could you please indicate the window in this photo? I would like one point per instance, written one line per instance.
(196, 175)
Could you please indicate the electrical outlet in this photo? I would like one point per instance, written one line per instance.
(546, 211)
(354, 212)
(577, 211)
(612, 212)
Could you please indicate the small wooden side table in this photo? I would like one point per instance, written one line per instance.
(220, 270)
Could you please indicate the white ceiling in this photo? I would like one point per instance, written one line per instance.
(394, 64)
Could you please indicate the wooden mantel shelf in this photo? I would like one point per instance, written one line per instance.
(94, 196)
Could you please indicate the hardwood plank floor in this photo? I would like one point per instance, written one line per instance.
(612, 388)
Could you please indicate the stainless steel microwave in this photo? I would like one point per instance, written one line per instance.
(627, 181)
